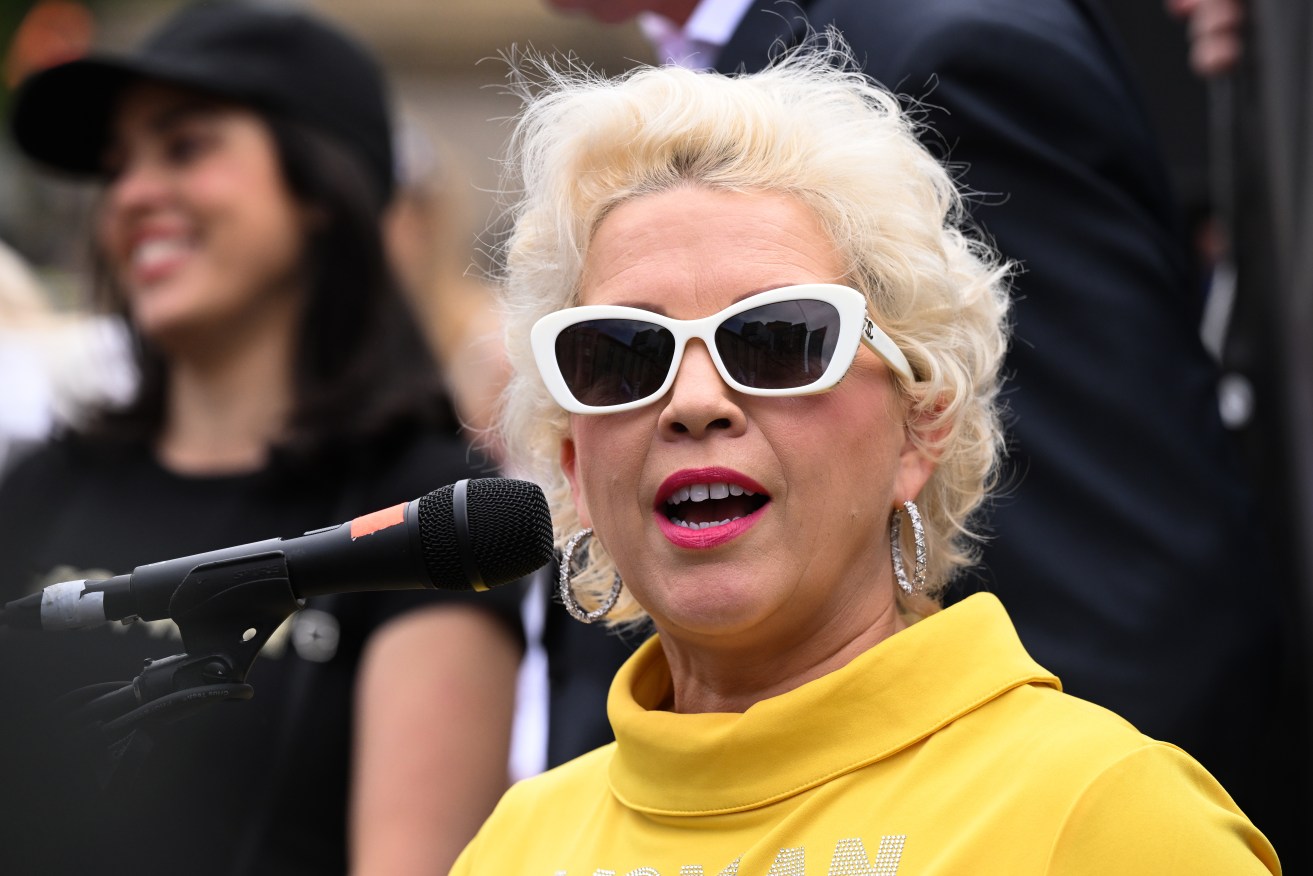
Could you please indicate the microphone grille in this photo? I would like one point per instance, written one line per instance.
(510, 532)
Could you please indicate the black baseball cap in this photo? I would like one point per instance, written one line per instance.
(274, 59)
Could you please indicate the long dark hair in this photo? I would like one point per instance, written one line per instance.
(362, 368)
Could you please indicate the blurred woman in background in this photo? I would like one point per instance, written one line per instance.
(246, 156)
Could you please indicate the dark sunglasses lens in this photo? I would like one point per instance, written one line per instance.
(786, 345)
(614, 361)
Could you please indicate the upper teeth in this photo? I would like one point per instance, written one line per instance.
(155, 250)
(703, 492)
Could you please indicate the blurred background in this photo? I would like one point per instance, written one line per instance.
(443, 58)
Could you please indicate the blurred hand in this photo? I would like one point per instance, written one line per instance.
(1215, 33)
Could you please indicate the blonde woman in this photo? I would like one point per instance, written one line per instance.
(756, 363)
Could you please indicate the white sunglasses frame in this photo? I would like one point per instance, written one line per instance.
(855, 326)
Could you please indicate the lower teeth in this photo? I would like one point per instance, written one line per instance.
(707, 525)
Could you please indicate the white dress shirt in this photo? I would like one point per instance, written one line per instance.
(698, 43)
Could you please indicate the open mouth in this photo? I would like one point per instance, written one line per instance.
(155, 257)
(712, 504)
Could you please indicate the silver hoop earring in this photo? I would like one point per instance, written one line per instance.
(917, 583)
(567, 592)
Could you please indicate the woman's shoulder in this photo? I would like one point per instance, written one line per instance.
(1061, 733)
(572, 785)
(554, 805)
(1156, 809)
(401, 464)
(1110, 792)
(424, 461)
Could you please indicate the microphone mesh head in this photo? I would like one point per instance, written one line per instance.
(510, 532)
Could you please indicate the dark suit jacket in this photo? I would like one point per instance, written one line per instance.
(1124, 544)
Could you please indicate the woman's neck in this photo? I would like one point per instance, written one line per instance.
(226, 405)
(710, 677)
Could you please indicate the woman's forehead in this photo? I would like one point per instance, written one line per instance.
(705, 249)
(153, 107)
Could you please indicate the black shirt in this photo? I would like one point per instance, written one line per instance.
(256, 786)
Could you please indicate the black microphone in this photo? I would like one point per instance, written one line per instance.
(474, 534)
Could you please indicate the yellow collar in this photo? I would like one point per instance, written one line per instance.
(894, 695)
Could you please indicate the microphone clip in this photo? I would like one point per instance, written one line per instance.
(226, 611)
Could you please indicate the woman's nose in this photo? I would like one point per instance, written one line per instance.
(136, 186)
(700, 402)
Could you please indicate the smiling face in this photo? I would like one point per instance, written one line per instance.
(197, 227)
(806, 483)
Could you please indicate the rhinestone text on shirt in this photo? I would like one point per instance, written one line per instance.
(850, 859)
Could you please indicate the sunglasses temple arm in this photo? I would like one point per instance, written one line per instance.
(884, 347)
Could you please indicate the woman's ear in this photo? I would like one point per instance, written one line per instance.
(569, 465)
(922, 436)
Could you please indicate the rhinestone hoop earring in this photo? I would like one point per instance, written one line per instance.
(917, 583)
(567, 592)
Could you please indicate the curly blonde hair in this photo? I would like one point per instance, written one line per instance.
(812, 127)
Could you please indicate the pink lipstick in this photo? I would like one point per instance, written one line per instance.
(707, 507)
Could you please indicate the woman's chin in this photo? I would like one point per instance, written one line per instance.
(714, 607)
(174, 331)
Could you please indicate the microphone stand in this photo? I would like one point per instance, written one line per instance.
(226, 611)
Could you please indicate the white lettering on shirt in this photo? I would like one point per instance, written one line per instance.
(849, 859)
